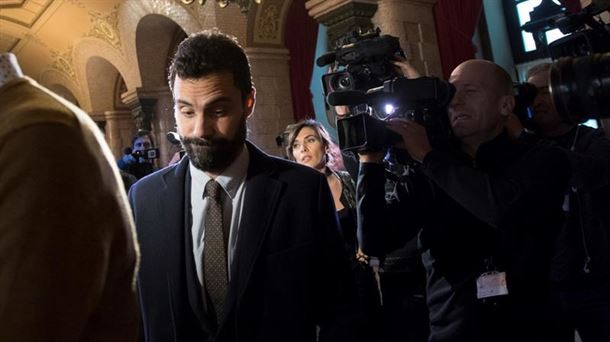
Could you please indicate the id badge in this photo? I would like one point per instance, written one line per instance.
(491, 284)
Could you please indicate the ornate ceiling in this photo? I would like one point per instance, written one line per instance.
(41, 32)
(73, 46)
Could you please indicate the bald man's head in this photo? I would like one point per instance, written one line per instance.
(482, 102)
(488, 73)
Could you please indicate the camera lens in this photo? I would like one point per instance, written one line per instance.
(343, 82)
(581, 86)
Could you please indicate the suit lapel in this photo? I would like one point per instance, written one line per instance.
(260, 203)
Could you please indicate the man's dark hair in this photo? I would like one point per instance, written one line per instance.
(211, 51)
(143, 133)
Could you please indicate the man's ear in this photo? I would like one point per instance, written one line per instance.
(507, 104)
(249, 103)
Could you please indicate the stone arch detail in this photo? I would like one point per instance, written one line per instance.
(52, 77)
(131, 13)
(84, 50)
(101, 82)
(156, 38)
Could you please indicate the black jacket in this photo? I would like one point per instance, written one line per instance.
(582, 259)
(290, 273)
(504, 204)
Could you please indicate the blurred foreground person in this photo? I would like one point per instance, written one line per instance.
(67, 250)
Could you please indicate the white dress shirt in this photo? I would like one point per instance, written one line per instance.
(233, 182)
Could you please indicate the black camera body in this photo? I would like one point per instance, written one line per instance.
(423, 100)
(375, 92)
(151, 153)
(367, 59)
(580, 73)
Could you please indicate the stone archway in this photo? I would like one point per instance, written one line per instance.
(156, 40)
(54, 79)
(103, 81)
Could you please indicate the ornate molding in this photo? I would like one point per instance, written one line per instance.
(268, 24)
(63, 63)
(106, 27)
(343, 16)
(348, 11)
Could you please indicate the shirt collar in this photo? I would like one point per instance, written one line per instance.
(9, 68)
(230, 178)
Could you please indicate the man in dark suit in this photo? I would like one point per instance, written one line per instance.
(282, 272)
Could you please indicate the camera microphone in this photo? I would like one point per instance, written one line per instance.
(127, 150)
(326, 59)
(173, 138)
(346, 98)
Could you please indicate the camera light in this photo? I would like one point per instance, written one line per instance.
(389, 109)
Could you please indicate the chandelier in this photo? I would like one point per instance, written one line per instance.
(244, 5)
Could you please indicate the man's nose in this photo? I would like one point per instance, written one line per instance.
(457, 99)
(203, 127)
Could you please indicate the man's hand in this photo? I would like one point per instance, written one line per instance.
(414, 137)
(405, 68)
(129, 159)
(371, 157)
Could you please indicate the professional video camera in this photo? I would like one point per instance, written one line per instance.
(580, 74)
(151, 153)
(375, 92)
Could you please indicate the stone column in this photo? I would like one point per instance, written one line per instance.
(342, 16)
(120, 129)
(273, 109)
(413, 22)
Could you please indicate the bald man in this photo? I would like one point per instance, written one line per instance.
(485, 209)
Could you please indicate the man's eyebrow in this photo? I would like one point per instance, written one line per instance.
(184, 102)
(214, 101)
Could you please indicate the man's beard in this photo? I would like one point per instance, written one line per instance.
(214, 155)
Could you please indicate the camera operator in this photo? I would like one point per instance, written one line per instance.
(135, 160)
(580, 272)
(486, 213)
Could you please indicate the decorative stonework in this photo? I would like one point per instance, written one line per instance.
(164, 7)
(32, 38)
(349, 17)
(105, 27)
(63, 62)
(268, 25)
(77, 3)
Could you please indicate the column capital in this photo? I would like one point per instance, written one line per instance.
(320, 8)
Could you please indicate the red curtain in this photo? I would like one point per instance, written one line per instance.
(300, 39)
(456, 22)
(572, 6)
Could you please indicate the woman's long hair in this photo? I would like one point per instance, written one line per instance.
(333, 154)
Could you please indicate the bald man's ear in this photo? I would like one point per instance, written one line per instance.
(249, 103)
(507, 104)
